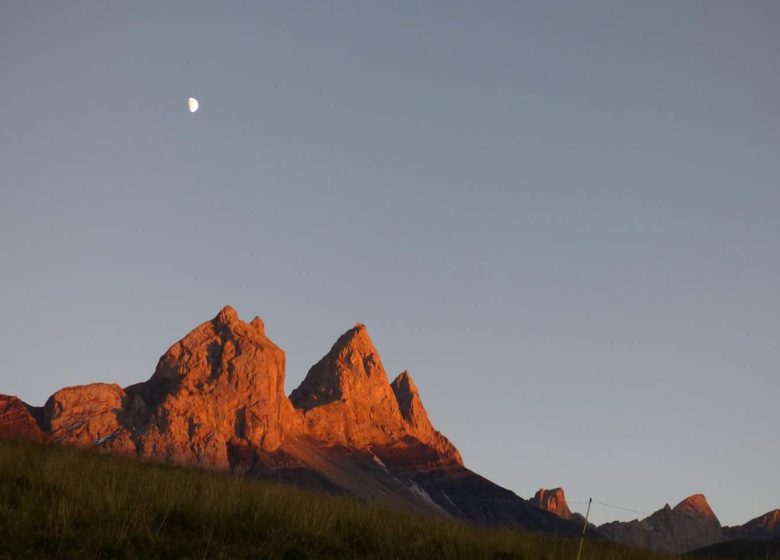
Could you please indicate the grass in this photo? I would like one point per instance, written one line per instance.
(59, 502)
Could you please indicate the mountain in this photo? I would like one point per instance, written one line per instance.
(553, 501)
(216, 400)
(17, 420)
(689, 525)
(763, 527)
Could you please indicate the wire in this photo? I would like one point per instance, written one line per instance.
(583, 501)
(620, 507)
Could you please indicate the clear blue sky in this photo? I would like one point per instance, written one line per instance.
(563, 219)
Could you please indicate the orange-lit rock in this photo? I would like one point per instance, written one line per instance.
(88, 415)
(416, 420)
(221, 383)
(16, 420)
(763, 527)
(695, 505)
(346, 397)
(553, 501)
(219, 392)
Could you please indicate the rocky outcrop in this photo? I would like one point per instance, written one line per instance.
(763, 527)
(696, 507)
(690, 525)
(221, 385)
(88, 415)
(415, 417)
(553, 501)
(17, 420)
(346, 397)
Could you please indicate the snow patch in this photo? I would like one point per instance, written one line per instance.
(379, 462)
(104, 439)
(422, 493)
(446, 497)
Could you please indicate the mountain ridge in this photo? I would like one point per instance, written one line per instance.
(691, 525)
(216, 400)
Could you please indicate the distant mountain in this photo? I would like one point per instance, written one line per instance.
(553, 501)
(17, 420)
(763, 527)
(216, 400)
(758, 538)
(689, 525)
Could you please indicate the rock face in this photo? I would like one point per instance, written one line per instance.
(763, 527)
(16, 420)
(346, 397)
(691, 524)
(221, 385)
(88, 415)
(415, 417)
(553, 501)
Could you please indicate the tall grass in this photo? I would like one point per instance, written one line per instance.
(58, 502)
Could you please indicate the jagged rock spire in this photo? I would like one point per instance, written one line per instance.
(220, 384)
(346, 396)
(695, 505)
(416, 420)
(552, 500)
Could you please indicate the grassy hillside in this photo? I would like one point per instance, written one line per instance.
(67, 503)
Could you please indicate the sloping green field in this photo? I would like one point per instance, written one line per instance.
(58, 502)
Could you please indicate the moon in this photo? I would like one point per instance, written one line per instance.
(192, 104)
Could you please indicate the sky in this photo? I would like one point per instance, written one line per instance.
(562, 218)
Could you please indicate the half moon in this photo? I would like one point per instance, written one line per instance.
(192, 104)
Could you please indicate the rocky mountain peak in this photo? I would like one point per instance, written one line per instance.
(554, 501)
(346, 396)
(353, 343)
(772, 518)
(695, 505)
(763, 527)
(689, 525)
(351, 370)
(226, 316)
(405, 391)
(17, 420)
(258, 325)
(411, 406)
(769, 523)
(416, 420)
(222, 383)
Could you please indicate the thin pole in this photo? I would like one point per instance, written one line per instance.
(584, 528)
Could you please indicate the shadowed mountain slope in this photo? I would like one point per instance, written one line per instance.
(763, 527)
(689, 525)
